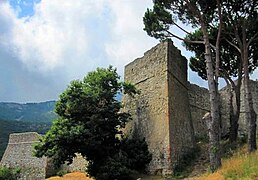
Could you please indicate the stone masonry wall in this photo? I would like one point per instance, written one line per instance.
(149, 110)
(225, 107)
(199, 106)
(152, 111)
(225, 110)
(254, 91)
(181, 130)
(19, 154)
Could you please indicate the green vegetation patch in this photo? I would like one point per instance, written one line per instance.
(9, 173)
(247, 169)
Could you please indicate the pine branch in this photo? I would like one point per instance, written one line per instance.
(182, 39)
(182, 29)
(232, 44)
(253, 39)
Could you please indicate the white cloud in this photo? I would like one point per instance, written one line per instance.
(128, 40)
(65, 33)
(63, 40)
(6, 20)
(66, 39)
(56, 35)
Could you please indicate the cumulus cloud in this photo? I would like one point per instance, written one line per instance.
(72, 31)
(128, 40)
(63, 41)
(57, 34)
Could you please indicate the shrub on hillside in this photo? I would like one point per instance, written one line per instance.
(9, 173)
(133, 157)
(137, 153)
(114, 168)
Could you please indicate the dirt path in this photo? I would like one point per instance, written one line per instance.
(72, 176)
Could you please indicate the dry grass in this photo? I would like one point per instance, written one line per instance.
(240, 166)
(213, 176)
(72, 176)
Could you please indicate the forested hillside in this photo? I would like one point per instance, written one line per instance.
(32, 112)
(15, 117)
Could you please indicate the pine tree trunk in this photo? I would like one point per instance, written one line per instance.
(235, 110)
(232, 118)
(249, 110)
(214, 126)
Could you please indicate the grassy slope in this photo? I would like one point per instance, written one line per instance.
(240, 166)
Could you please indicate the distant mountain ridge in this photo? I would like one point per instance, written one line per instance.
(17, 117)
(28, 112)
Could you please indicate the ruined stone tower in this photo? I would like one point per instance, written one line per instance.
(161, 113)
(19, 153)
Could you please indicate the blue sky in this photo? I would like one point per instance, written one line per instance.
(23, 7)
(46, 44)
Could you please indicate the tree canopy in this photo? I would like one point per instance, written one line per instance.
(233, 53)
(242, 33)
(229, 57)
(90, 122)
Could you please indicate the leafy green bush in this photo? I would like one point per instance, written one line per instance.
(137, 153)
(132, 157)
(114, 168)
(62, 172)
(186, 160)
(9, 173)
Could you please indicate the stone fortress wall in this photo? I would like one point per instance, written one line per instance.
(169, 110)
(224, 94)
(151, 104)
(254, 90)
(19, 153)
(161, 113)
(199, 105)
(167, 113)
